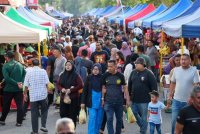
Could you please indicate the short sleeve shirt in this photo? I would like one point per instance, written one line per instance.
(114, 84)
(190, 118)
(155, 112)
(184, 79)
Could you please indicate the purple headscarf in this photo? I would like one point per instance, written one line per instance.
(125, 49)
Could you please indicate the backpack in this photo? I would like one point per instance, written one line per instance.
(80, 69)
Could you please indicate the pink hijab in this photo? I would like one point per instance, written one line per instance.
(125, 49)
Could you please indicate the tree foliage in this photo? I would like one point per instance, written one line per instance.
(80, 6)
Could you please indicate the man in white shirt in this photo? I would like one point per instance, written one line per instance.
(67, 41)
(183, 80)
(36, 81)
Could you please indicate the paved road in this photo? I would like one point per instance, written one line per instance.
(10, 127)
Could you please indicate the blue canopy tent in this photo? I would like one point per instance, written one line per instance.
(174, 27)
(106, 10)
(192, 29)
(98, 12)
(139, 8)
(138, 22)
(183, 7)
(111, 19)
(173, 12)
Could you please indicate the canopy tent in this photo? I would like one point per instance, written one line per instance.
(42, 14)
(138, 22)
(193, 8)
(174, 27)
(68, 14)
(140, 14)
(135, 10)
(191, 29)
(29, 16)
(173, 12)
(56, 14)
(116, 11)
(106, 11)
(183, 7)
(14, 15)
(112, 18)
(12, 32)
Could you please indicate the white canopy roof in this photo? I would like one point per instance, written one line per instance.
(42, 14)
(174, 27)
(13, 32)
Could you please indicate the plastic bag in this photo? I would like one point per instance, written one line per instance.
(58, 100)
(51, 86)
(67, 99)
(82, 117)
(130, 116)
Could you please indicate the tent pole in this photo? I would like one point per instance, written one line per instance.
(161, 56)
(39, 53)
(182, 45)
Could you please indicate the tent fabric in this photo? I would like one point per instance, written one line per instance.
(135, 10)
(14, 15)
(174, 27)
(117, 10)
(193, 8)
(13, 32)
(111, 19)
(42, 14)
(171, 13)
(183, 7)
(191, 29)
(140, 14)
(138, 22)
(106, 11)
(30, 16)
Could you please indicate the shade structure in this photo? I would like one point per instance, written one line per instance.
(55, 13)
(112, 19)
(174, 27)
(176, 10)
(105, 11)
(191, 29)
(14, 15)
(141, 14)
(13, 32)
(29, 16)
(42, 14)
(135, 10)
(138, 22)
(117, 10)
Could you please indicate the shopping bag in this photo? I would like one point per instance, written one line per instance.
(130, 116)
(58, 100)
(82, 117)
(51, 86)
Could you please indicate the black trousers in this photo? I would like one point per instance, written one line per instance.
(7, 99)
(70, 110)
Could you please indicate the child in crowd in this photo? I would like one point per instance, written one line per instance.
(154, 112)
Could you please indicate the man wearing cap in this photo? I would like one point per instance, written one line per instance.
(141, 83)
(13, 73)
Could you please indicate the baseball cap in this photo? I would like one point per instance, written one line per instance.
(140, 60)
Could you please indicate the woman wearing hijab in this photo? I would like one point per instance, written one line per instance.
(113, 53)
(68, 53)
(69, 84)
(125, 49)
(91, 97)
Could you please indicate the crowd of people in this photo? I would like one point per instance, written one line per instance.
(102, 69)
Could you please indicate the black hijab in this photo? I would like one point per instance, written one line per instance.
(68, 77)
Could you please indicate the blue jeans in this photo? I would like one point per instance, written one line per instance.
(140, 111)
(110, 109)
(95, 120)
(176, 107)
(153, 126)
